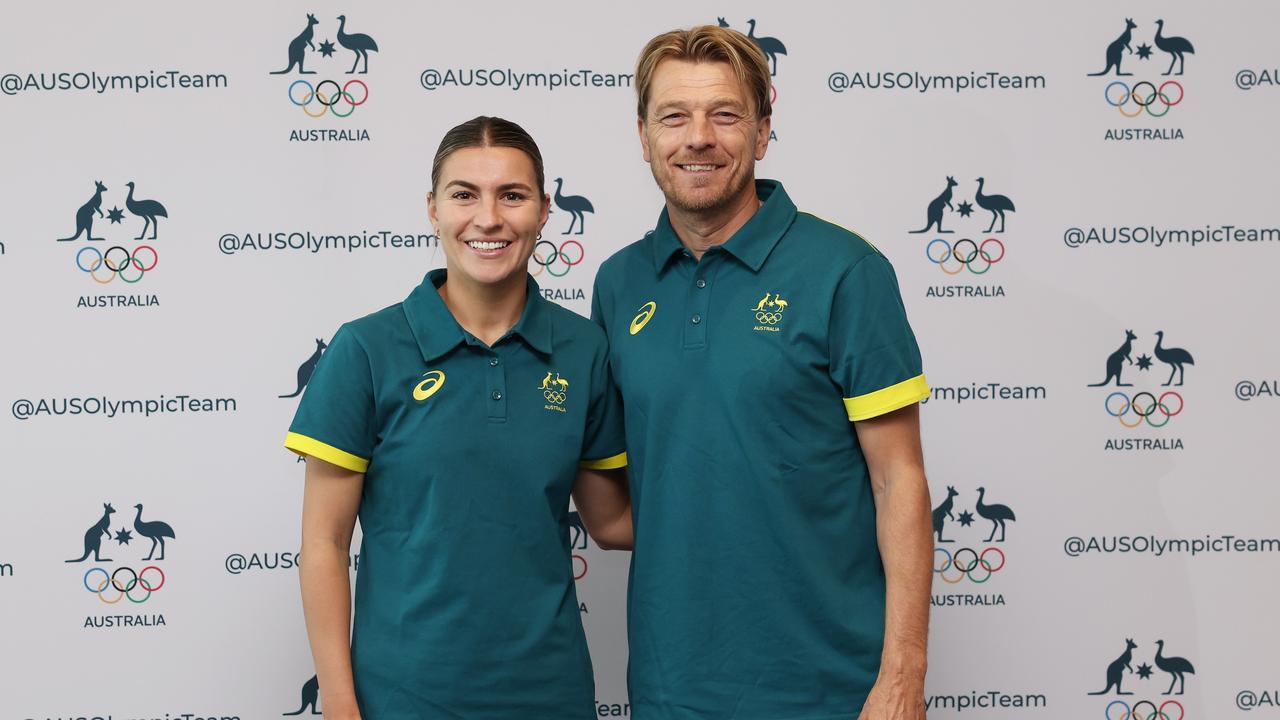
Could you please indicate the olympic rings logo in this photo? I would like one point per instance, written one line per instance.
(127, 262)
(124, 589)
(966, 254)
(969, 565)
(579, 574)
(1135, 713)
(1143, 99)
(554, 396)
(555, 257)
(769, 318)
(330, 100)
(1144, 406)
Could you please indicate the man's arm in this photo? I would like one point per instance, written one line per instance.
(891, 445)
(603, 499)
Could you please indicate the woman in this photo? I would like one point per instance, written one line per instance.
(456, 423)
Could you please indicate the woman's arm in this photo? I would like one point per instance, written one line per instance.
(603, 499)
(329, 504)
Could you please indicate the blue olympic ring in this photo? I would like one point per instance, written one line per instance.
(1152, 712)
(328, 101)
(1143, 405)
(1145, 100)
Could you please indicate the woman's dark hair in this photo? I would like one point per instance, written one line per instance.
(484, 131)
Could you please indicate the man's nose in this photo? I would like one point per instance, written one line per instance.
(701, 133)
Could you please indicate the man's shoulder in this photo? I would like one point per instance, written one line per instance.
(639, 251)
(574, 327)
(836, 245)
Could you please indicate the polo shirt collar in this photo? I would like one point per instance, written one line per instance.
(751, 244)
(437, 332)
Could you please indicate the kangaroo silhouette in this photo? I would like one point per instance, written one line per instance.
(1176, 667)
(578, 531)
(84, 216)
(1174, 358)
(1115, 671)
(935, 208)
(93, 536)
(298, 48)
(1115, 51)
(764, 301)
(155, 530)
(310, 696)
(546, 382)
(148, 210)
(307, 367)
(942, 512)
(1116, 361)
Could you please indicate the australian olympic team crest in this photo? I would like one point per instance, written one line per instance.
(1148, 404)
(1145, 704)
(963, 560)
(554, 259)
(1132, 83)
(963, 251)
(773, 48)
(113, 579)
(106, 251)
(332, 92)
(555, 392)
(768, 313)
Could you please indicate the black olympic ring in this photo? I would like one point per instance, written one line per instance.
(138, 579)
(117, 268)
(554, 254)
(340, 92)
(965, 568)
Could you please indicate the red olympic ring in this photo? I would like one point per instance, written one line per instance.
(579, 575)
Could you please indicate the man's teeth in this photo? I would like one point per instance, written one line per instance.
(493, 245)
(699, 168)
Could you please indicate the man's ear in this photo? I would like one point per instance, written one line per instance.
(644, 140)
(762, 137)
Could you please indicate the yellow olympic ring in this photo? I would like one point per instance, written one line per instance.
(425, 389)
(642, 318)
(553, 396)
(769, 318)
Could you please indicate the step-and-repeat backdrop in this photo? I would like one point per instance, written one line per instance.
(1079, 202)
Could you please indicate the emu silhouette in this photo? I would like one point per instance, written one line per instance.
(996, 204)
(770, 46)
(148, 210)
(942, 512)
(1176, 667)
(298, 46)
(1115, 51)
(1177, 47)
(997, 514)
(575, 205)
(1174, 358)
(358, 43)
(155, 530)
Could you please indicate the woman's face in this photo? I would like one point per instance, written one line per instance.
(488, 211)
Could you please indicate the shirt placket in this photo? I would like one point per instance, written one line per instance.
(698, 299)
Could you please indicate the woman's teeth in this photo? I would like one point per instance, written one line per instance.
(488, 245)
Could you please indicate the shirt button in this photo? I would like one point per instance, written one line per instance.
(701, 283)
(695, 319)
(493, 362)
(497, 395)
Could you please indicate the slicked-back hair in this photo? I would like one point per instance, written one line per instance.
(485, 131)
(707, 43)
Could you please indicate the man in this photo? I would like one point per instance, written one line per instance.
(745, 337)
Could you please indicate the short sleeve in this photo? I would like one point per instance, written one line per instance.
(604, 442)
(335, 420)
(874, 357)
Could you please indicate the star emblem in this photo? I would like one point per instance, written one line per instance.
(1144, 671)
(124, 536)
(1144, 51)
(1144, 362)
(115, 215)
(966, 518)
(965, 209)
(326, 48)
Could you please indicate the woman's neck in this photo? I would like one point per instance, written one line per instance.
(484, 310)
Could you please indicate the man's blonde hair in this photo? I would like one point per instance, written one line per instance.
(707, 43)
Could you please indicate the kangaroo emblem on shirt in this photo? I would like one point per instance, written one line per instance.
(554, 391)
(768, 312)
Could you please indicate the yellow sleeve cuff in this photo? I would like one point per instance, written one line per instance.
(609, 463)
(304, 445)
(894, 397)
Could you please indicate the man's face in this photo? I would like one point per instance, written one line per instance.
(701, 136)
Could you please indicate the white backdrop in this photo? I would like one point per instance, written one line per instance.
(161, 388)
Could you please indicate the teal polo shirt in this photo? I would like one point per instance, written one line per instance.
(757, 590)
(465, 604)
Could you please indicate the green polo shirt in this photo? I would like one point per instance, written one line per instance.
(465, 604)
(757, 590)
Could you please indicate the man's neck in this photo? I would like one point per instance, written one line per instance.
(700, 231)
(486, 311)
